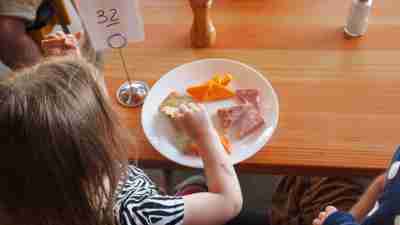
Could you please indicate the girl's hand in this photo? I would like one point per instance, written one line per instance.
(61, 44)
(194, 120)
(323, 215)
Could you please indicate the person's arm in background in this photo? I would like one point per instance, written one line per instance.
(331, 216)
(17, 49)
(368, 199)
(224, 200)
(61, 44)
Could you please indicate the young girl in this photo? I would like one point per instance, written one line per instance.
(63, 163)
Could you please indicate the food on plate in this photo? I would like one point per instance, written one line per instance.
(250, 121)
(244, 118)
(229, 116)
(170, 108)
(226, 143)
(212, 90)
(251, 96)
(198, 92)
(170, 105)
(217, 92)
(223, 80)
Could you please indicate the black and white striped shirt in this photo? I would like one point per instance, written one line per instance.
(140, 203)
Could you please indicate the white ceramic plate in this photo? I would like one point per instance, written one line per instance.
(158, 128)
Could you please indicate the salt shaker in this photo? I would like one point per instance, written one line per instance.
(203, 32)
(357, 22)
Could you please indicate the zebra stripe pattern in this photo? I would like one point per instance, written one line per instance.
(138, 202)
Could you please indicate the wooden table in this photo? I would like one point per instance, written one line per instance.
(339, 99)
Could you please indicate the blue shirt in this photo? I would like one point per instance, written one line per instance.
(387, 208)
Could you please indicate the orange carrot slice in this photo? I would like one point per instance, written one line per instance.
(217, 79)
(226, 143)
(226, 79)
(213, 90)
(193, 149)
(218, 92)
(198, 92)
(223, 80)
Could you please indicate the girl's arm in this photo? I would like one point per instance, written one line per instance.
(224, 200)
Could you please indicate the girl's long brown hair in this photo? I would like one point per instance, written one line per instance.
(61, 147)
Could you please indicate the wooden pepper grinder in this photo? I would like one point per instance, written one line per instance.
(203, 33)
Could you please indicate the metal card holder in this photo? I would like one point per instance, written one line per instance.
(131, 93)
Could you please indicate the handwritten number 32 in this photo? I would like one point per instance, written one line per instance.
(102, 18)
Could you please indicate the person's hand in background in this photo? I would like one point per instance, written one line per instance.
(324, 214)
(61, 44)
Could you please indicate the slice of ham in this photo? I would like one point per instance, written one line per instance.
(244, 118)
(250, 121)
(251, 96)
(228, 116)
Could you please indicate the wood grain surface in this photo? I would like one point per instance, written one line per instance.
(339, 98)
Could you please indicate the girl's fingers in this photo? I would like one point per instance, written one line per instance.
(184, 108)
(178, 116)
(193, 106)
(202, 107)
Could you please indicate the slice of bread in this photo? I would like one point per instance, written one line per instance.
(170, 108)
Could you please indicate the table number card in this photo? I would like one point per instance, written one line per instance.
(111, 23)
